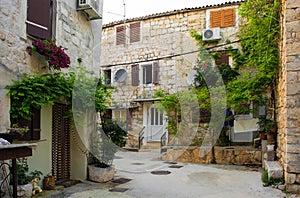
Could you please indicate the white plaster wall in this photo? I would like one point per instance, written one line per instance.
(41, 158)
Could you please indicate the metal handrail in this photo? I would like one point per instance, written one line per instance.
(141, 136)
(163, 139)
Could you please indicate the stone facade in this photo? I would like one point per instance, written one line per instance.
(288, 104)
(163, 37)
(74, 32)
(80, 38)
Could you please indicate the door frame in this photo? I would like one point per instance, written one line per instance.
(147, 122)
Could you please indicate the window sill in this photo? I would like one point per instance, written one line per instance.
(29, 141)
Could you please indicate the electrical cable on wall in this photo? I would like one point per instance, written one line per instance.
(174, 55)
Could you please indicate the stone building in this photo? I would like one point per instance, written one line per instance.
(145, 54)
(72, 26)
(288, 99)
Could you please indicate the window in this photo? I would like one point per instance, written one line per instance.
(41, 16)
(120, 115)
(34, 125)
(224, 59)
(134, 33)
(149, 73)
(222, 18)
(156, 117)
(107, 77)
(121, 35)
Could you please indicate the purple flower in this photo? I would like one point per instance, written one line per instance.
(56, 56)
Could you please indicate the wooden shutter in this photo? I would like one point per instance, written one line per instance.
(228, 18)
(155, 72)
(222, 18)
(215, 19)
(224, 59)
(135, 32)
(121, 35)
(39, 18)
(135, 75)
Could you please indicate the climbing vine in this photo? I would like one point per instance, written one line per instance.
(255, 68)
(259, 61)
(45, 89)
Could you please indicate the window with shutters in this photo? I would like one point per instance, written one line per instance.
(121, 35)
(41, 16)
(147, 73)
(131, 36)
(135, 32)
(222, 18)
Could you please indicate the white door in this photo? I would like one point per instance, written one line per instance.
(155, 126)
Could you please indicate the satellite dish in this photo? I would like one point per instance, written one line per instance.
(120, 75)
(191, 77)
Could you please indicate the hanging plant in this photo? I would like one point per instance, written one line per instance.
(55, 55)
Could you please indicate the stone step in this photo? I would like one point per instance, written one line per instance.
(154, 144)
(133, 149)
(275, 171)
(154, 150)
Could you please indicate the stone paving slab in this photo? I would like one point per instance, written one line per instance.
(189, 181)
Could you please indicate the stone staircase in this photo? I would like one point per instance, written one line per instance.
(153, 146)
(275, 170)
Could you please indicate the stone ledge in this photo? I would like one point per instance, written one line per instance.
(275, 171)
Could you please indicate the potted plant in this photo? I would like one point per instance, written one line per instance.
(55, 55)
(105, 143)
(268, 127)
(25, 188)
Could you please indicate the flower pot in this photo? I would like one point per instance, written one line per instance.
(271, 136)
(49, 182)
(99, 174)
(263, 136)
(24, 191)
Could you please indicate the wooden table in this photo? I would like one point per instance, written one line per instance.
(14, 151)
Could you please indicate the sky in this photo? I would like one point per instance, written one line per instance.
(113, 10)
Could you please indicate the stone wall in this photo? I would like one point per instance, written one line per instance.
(161, 35)
(239, 155)
(80, 38)
(288, 96)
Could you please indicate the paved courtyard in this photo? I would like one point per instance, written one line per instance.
(143, 175)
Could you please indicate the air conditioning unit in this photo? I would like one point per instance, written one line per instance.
(211, 34)
(90, 8)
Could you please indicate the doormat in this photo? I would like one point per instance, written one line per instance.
(160, 172)
(121, 180)
(118, 189)
(68, 183)
(175, 166)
